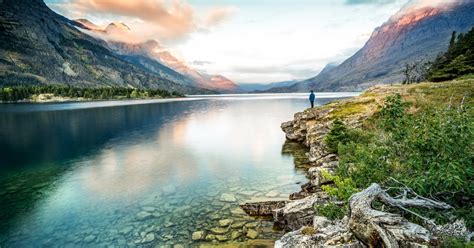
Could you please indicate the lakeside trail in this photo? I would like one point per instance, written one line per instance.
(362, 225)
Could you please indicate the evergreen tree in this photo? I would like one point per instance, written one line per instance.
(457, 61)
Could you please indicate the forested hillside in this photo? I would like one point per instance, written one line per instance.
(457, 61)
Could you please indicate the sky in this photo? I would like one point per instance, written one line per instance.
(247, 41)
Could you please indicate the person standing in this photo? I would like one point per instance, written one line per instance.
(311, 98)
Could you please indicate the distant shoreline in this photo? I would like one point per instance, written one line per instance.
(59, 100)
(59, 94)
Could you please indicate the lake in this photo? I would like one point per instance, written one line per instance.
(144, 172)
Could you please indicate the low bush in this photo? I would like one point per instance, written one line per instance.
(331, 210)
(430, 151)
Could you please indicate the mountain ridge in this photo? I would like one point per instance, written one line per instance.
(153, 50)
(407, 37)
(39, 46)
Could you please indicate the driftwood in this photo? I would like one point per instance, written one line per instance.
(365, 226)
(381, 229)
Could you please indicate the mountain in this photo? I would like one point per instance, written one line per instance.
(88, 25)
(257, 87)
(115, 33)
(142, 55)
(412, 35)
(39, 46)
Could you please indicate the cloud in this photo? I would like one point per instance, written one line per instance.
(165, 20)
(201, 62)
(414, 5)
(171, 21)
(355, 2)
(218, 15)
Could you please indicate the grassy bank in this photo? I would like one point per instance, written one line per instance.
(420, 136)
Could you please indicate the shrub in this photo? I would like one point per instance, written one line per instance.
(431, 151)
(337, 134)
(331, 210)
(340, 134)
(456, 243)
(342, 189)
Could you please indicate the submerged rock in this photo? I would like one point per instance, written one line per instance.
(251, 225)
(89, 238)
(219, 230)
(262, 208)
(237, 225)
(168, 190)
(149, 237)
(226, 197)
(143, 215)
(198, 235)
(221, 238)
(237, 211)
(235, 235)
(149, 209)
(126, 230)
(272, 193)
(225, 222)
(252, 234)
(210, 237)
(248, 192)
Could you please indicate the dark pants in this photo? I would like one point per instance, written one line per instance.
(312, 104)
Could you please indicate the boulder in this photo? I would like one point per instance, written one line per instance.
(328, 234)
(296, 213)
(262, 208)
(316, 176)
(320, 222)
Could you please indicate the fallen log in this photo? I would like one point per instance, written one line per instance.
(381, 229)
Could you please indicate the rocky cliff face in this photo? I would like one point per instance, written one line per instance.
(39, 46)
(409, 36)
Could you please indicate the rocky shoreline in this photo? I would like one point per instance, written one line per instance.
(365, 227)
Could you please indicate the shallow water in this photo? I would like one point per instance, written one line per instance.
(143, 173)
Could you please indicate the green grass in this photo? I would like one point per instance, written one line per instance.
(422, 135)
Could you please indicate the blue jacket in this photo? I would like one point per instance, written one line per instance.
(312, 97)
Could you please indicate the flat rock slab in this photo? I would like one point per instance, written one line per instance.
(297, 213)
(262, 208)
(226, 197)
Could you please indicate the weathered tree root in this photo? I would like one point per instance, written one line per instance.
(381, 229)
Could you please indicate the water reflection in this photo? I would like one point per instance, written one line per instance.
(141, 174)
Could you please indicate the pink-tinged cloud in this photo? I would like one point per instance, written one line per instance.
(159, 19)
(218, 15)
(414, 6)
(170, 20)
